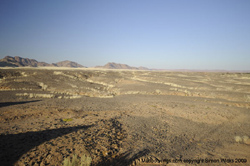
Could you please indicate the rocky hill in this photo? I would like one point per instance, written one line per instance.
(21, 62)
(112, 65)
(17, 61)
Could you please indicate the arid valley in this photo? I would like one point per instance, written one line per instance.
(124, 117)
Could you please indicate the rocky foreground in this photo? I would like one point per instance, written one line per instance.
(124, 117)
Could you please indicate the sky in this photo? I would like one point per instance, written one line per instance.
(162, 34)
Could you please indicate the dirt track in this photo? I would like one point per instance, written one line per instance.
(123, 117)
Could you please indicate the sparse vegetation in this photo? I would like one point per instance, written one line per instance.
(84, 161)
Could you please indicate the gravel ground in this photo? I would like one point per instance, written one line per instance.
(124, 117)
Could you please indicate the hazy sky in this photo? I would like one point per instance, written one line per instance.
(169, 34)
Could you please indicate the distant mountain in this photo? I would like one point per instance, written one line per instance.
(143, 68)
(112, 65)
(17, 61)
(68, 64)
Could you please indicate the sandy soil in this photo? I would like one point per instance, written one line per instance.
(122, 117)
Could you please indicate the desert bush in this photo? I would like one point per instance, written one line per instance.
(238, 139)
(67, 119)
(84, 161)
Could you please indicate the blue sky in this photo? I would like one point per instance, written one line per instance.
(166, 34)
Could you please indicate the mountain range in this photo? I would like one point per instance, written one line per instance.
(17, 61)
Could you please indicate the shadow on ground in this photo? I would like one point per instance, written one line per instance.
(13, 146)
(5, 104)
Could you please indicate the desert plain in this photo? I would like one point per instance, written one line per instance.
(124, 117)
